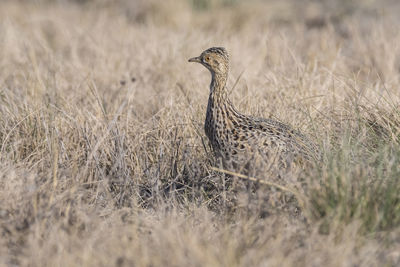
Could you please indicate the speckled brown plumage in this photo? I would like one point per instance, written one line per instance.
(235, 137)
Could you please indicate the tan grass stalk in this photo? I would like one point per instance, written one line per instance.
(298, 196)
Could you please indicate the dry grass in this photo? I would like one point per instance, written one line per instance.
(103, 158)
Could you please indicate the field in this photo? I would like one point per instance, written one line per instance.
(103, 156)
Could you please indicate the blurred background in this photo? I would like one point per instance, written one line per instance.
(313, 13)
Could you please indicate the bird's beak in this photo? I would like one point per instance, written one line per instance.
(195, 59)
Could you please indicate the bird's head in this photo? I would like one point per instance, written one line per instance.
(215, 59)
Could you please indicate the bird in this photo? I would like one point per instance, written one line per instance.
(237, 138)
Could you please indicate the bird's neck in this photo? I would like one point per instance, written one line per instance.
(221, 114)
(218, 84)
(218, 101)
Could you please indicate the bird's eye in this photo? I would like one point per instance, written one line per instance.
(207, 59)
